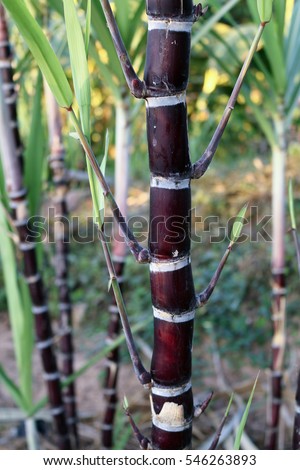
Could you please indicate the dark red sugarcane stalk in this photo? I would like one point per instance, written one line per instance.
(172, 289)
(61, 235)
(8, 85)
(119, 251)
(44, 337)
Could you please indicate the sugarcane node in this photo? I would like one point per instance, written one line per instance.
(145, 380)
(138, 88)
(144, 256)
(199, 11)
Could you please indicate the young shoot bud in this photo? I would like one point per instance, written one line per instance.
(238, 225)
(125, 403)
(265, 8)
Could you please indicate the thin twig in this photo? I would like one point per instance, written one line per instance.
(216, 439)
(143, 441)
(136, 86)
(141, 254)
(199, 409)
(204, 296)
(143, 376)
(200, 167)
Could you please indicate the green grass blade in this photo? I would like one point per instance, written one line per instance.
(237, 442)
(96, 191)
(28, 344)
(41, 50)
(88, 26)
(123, 11)
(210, 23)
(12, 389)
(291, 206)
(79, 66)
(35, 151)
(19, 311)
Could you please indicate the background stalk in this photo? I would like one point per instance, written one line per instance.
(44, 337)
(278, 276)
(119, 251)
(62, 240)
(8, 86)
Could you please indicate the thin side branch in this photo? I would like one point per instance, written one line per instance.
(200, 167)
(143, 376)
(136, 86)
(143, 441)
(199, 409)
(141, 254)
(204, 296)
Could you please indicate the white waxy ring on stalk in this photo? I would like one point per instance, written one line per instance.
(170, 391)
(39, 310)
(44, 344)
(57, 411)
(176, 26)
(169, 183)
(163, 101)
(168, 427)
(171, 318)
(170, 265)
(51, 376)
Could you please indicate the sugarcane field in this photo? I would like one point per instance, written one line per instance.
(150, 225)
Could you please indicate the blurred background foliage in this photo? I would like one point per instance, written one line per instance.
(238, 317)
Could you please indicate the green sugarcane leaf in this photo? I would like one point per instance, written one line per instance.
(238, 225)
(88, 26)
(240, 430)
(28, 344)
(79, 65)
(20, 320)
(291, 206)
(103, 169)
(42, 51)
(96, 191)
(12, 389)
(265, 8)
(211, 22)
(35, 151)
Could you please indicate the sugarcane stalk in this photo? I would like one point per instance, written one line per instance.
(278, 281)
(61, 234)
(44, 337)
(119, 251)
(172, 289)
(8, 85)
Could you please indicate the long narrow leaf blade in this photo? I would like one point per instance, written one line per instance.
(79, 64)
(237, 442)
(12, 388)
(88, 26)
(41, 50)
(35, 152)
